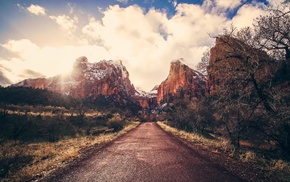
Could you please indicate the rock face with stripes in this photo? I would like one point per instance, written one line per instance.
(183, 83)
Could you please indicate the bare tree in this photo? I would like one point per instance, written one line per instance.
(273, 31)
(242, 76)
(202, 65)
(273, 35)
(248, 87)
(81, 110)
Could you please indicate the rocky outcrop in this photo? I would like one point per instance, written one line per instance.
(233, 63)
(182, 83)
(88, 80)
(147, 100)
(38, 83)
(110, 78)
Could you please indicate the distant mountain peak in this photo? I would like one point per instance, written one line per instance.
(88, 80)
(111, 78)
(141, 93)
(182, 82)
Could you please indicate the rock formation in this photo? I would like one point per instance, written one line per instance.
(88, 80)
(233, 63)
(110, 78)
(147, 100)
(181, 83)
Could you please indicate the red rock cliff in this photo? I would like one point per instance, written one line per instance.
(88, 80)
(231, 61)
(181, 83)
(146, 100)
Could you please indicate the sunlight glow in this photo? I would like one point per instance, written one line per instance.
(145, 39)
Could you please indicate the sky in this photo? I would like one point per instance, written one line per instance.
(43, 38)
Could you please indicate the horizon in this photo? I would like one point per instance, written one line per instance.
(44, 38)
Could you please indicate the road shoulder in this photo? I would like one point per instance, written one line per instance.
(243, 170)
(84, 155)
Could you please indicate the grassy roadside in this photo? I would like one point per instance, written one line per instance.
(35, 159)
(209, 144)
(278, 168)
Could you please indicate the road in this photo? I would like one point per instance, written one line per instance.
(146, 153)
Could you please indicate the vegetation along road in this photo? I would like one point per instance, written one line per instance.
(147, 153)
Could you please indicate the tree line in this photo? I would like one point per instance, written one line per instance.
(253, 98)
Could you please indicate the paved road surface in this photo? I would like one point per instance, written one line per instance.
(146, 154)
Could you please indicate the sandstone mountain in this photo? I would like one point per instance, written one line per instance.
(182, 83)
(235, 65)
(147, 100)
(88, 80)
(111, 78)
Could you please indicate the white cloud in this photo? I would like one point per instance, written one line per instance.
(20, 47)
(246, 15)
(92, 29)
(71, 8)
(174, 3)
(275, 3)
(148, 41)
(21, 8)
(187, 28)
(48, 61)
(36, 9)
(4, 74)
(123, 1)
(66, 23)
(228, 4)
(220, 7)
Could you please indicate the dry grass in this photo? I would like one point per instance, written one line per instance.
(196, 138)
(279, 165)
(279, 168)
(248, 156)
(45, 156)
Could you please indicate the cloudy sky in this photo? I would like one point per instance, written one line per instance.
(42, 38)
